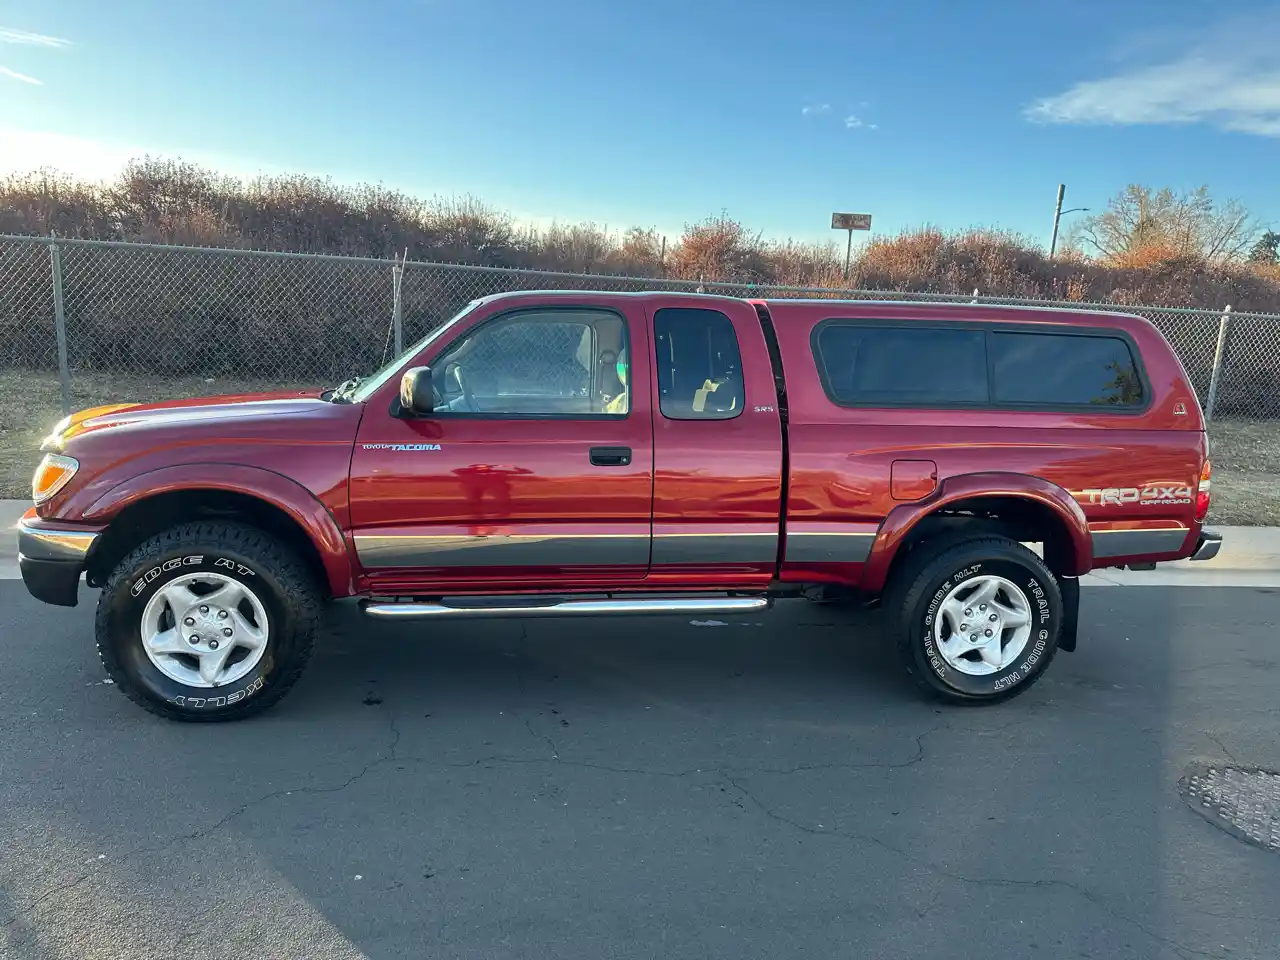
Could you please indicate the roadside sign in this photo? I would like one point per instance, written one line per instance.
(851, 221)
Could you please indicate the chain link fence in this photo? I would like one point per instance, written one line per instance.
(197, 320)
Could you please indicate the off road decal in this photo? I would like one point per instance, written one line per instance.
(1154, 495)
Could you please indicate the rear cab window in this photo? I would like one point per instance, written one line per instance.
(698, 363)
(868, 363)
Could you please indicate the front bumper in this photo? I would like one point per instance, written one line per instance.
(52, 558)
(1208, 546)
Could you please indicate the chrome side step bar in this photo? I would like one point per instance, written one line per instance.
(633, 606)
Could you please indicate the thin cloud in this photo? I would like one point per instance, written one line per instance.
(14, 74)
(1230, 80)
(28, 39)
(815, 108)
(857, 123)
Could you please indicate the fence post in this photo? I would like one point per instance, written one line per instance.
(397, 315)
(1219, 354)
(60, 324)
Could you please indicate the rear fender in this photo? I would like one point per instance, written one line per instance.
(897, 527)
(279, 491)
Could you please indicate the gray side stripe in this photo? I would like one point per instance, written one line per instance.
(504, 550)
(1130, 543)
(709, 548)
(806, 547)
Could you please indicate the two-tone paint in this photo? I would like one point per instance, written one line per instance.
(795, 489)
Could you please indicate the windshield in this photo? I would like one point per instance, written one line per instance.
(369, 385)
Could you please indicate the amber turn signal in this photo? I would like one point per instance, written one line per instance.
(52, 475)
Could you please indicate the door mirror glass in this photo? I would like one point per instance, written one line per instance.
(416, 399)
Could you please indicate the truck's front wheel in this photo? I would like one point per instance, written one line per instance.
(976, 621)
(207, 621)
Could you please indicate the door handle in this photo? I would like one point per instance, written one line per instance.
(611, 456)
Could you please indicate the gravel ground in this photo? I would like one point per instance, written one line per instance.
(1246, 455)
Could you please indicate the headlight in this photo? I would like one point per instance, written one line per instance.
(52, 475)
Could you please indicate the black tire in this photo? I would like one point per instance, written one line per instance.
(272, 570)
(922, 583)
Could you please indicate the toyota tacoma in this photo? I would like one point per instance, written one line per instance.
(565, 454)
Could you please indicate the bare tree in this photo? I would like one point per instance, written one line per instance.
(1190, 223)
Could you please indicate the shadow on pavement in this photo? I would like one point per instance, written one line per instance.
(616, 788)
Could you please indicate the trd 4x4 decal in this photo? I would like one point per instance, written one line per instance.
(1157, 494)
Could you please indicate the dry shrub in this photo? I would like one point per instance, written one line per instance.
(156, 310)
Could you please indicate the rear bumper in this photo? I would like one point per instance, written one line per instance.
(1208, 546)
(52, 559)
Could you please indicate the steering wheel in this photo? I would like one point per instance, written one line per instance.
(468, 397)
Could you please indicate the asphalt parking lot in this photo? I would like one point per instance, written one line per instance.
(645, 788)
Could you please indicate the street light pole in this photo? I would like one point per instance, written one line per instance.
(1058, 214)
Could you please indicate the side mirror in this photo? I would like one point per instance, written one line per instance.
(416, 397)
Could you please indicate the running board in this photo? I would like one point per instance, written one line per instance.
(697, 606)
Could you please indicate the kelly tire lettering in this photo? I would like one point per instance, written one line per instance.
(917, 590)
(269, 568)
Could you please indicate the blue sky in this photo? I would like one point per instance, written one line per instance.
(658, 113)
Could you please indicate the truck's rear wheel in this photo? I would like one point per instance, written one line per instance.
(976, 621)
(207, 621)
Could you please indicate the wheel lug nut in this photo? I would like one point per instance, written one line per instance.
(213, 644)
(190, 621)
(968, 613)
(222, 614)
(204, 609)
(964, 628)
(993, 618)
(989, 633)
(193, 639)
(226, 631)
(982, 607)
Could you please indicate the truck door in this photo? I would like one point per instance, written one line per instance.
(717, 447)
(535, 471)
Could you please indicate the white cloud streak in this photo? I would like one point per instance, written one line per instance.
(815, 108)
(14, 74)
(1231, 81)
(28, 39)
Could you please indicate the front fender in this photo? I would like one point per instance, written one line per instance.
(266, 485)
(898, 525)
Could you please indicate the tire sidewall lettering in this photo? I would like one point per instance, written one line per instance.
(1046, 617)
(144, 585)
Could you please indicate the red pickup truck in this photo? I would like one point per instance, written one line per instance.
(568, 453)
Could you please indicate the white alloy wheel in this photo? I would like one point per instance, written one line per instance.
(983, 625)
(204, 630)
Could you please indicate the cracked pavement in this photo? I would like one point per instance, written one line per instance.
(645, 788)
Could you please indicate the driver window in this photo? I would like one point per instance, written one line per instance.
(570, 363)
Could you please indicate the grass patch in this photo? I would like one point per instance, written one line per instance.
(1246, 454)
